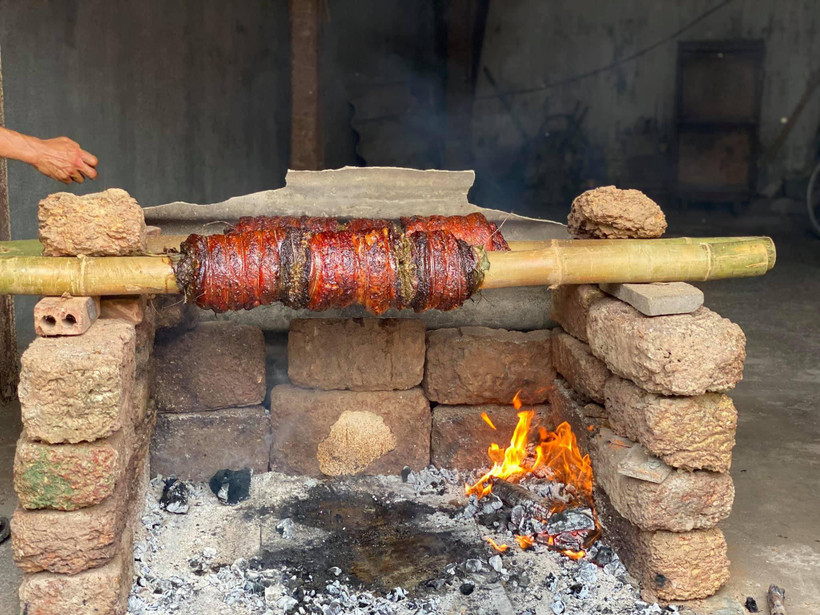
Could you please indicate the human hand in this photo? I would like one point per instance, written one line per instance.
(64, 160)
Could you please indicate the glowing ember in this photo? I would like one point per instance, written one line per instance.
(487, 419)
(496, 546)
(525, 542)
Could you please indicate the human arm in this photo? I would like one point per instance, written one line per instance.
(60, 158)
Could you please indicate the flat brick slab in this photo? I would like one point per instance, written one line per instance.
(75, 389)
(215, 365)
(194, 445)
(686, 354)
(358, 354)
(65, 315)
(574, 360)
(611, 213)
(332, 433)
(477, 365)
(68, 476)
(461, 437)
(658, 299)
(671, 565)
(108, 223)
(570, 307)
(685, 432)
(683, 501)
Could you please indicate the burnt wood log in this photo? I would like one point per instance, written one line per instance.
(776, 597)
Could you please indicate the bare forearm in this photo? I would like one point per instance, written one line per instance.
(18, 146)
(60, 158)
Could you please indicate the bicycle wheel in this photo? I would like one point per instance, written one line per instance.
(813, 199)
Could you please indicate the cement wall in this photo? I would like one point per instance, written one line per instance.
(526, 46)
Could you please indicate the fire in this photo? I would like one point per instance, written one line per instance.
(487, 419)
(496, 546)
(556, 456)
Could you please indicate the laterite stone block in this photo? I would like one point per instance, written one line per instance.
(570, 307)
(574, 360)
(477, 365)
(215, 365)
(333, 433)
(108, 223)
(359, 354)
(76, 389)
(685, 354)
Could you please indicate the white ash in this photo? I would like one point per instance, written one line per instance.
(207, 561)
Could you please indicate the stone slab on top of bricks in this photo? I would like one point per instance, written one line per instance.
(670, 565)
(216, 365)
(333, 433)
(683, 501)
(685, 432)
(108, 223)
(570, 307)
(477, 365)
(358, 354)
(684, 354)
(574, 360)
(75, 389)
(65, 315)
(611, 213)
(461, 437)
(659, 298)
(195, 445)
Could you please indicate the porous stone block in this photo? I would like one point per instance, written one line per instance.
(130, 308)
(461, 437)
(570, 307)
(108, 223)
(658, 299)
(68, 476)
(477, 365)
(194, 445)
(568, 406)
(215, 365)
(693, 433)
(359, 354)
(685, 354)
(102, 590)
(333, 433)
(75, 389)
(574, 360)
(611, 213)
(683, 501)
(671, 565)
(68, 542)
(65, 315)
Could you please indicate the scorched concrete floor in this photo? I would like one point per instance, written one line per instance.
(774, 530)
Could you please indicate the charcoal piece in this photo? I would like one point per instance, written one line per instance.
(406, 472)
(5, 529)
(603, 556)
(571, 520)
(174, 497)
(751, 605)
(557, 606)
(231, 486)
(466, 588)
(473, 565)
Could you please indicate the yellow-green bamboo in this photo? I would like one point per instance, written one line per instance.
(557, 262)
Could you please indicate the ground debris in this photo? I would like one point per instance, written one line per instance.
(275, 553)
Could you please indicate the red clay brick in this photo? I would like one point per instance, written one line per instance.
(65, 315)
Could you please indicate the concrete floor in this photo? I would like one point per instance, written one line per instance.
(774, 530)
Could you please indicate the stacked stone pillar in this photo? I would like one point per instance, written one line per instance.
(646, 395)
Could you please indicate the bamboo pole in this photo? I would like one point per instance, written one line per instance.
(592, 261)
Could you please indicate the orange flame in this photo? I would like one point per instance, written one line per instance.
(556, 456)
(574, 554)
(496, 546)
(525, 542)
(487, 419)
